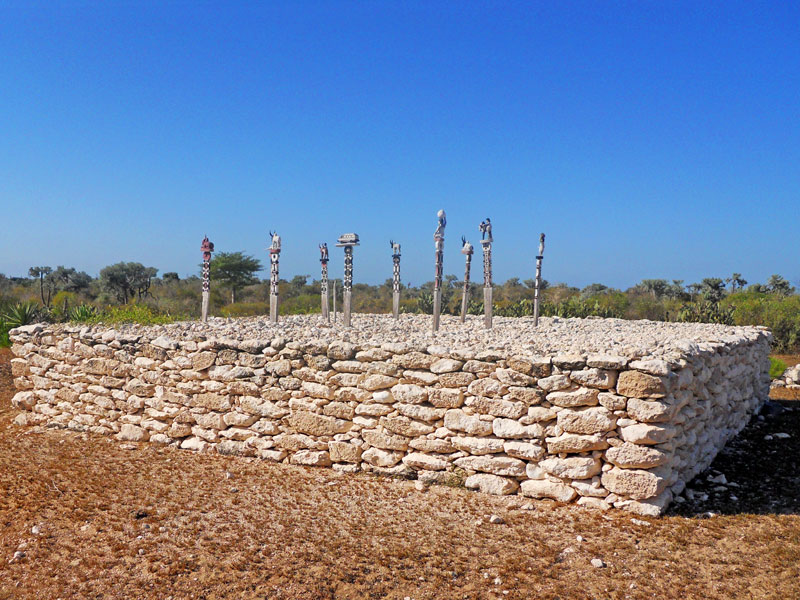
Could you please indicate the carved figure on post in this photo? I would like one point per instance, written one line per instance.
(442, 217)
(538, 281)
(486, 241)
(274, 256)
(395, 278)
(467, 251)
(323, 259)
(276, 241)
(486, 230)
(438, 240)
(347, 241)
(206, 248)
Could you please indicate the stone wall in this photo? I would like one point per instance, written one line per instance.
(602, 430)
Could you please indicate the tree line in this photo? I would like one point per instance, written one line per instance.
(63, 293)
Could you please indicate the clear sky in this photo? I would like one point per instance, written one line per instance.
(646, 139)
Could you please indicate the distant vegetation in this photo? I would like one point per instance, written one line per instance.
(132, 292)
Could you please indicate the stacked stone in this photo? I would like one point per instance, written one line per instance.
(789, 379)
(597, 429)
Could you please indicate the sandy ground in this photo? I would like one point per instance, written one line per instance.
(90, 517)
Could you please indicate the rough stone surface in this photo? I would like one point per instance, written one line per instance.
(602, 412)
(491, 484)
(543, 488)
(634, 483)
(634, 456)
(588, 420)
(635, 384)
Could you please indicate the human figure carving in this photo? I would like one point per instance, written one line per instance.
(442, 223)
(486, 229)
(276, 240)
(206, 248)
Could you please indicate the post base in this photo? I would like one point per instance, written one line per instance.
(487, 307)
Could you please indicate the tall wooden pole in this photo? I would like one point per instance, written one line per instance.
(347, 241)
(467, 251)
(348, 284)
(538, 281)
(206, 248)
(323, 259)
(274, 256)
(486, 243)
(395, 279)
(438, 240)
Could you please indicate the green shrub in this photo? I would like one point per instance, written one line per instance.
(305, 304)
(133, 313)
(61, 305)
(245, 309)
(705, 311)
(82, 313)
(776, 367)
(780, 314)
(22, 313)
(425, 303)
(5, 341)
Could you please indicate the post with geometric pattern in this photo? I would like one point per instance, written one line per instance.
(206, 248)
(347, 241)
(274, 256)
(486, 241)
(467, 251)
(538, 281)
(395, 279)
(438, 240)
(323, 259)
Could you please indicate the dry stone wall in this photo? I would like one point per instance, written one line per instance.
(598, 429)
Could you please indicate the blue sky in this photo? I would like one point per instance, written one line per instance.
(645, 139)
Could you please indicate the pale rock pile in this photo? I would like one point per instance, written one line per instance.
(602, 412)
(789, 379)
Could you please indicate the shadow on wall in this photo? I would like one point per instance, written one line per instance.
(756, 472)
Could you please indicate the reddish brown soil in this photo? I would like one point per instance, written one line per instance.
(141, 521)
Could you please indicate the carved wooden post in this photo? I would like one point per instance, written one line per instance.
(538, 281)
(206, 248)
(486, 241)
(274, 256)
(347, 241)
(438, 240)
(466, 249)
(323, 259)
(395, 279)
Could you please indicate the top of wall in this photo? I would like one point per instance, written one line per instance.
(509, 336)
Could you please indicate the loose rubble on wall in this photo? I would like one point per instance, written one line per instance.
(789, 379)
(602, 412)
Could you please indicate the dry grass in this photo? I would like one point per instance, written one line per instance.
(142, 521)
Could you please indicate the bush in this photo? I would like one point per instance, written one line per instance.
(5, 341)
(16, 315)
(22, 313)
(780, 314)
(706, 311)
(82, 313)
(776, 367)
(425, 303)
(133, 313)
(305, 304)
(245, 309)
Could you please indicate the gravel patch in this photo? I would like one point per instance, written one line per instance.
(633, 339)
